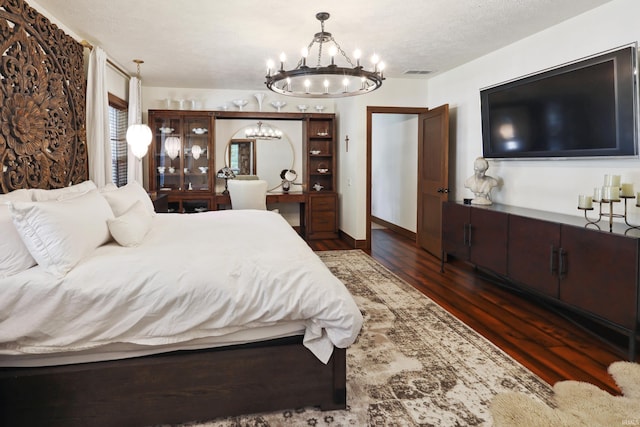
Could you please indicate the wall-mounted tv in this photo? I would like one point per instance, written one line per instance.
(587, 108)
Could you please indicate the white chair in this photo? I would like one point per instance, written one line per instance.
(248, 194)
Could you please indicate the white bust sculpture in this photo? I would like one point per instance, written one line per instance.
(481, 184)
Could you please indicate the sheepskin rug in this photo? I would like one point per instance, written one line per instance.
(577, 403)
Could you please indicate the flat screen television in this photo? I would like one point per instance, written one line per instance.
(587, 108)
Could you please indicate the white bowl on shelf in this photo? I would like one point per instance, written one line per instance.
(323, 170)
(315, 152)
(199, 131)
(166, 130)
(278, 104)
(240, 103)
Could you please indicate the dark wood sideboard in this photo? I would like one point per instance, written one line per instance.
(552, 256)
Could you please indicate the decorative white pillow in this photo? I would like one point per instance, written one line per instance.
(60, 233)
(38, 195)
(121, 199)
(14, 255)
(130, 228)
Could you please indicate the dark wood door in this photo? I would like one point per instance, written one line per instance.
(455, 225)
(600, 274)
(533, 254)
(433, 177)
(488, 239)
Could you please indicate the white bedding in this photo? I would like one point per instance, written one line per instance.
(193, 277)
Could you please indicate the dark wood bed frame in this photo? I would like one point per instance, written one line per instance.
(43, 145)
(174, 387)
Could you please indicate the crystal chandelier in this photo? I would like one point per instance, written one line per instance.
(263, 132)
(329, 81)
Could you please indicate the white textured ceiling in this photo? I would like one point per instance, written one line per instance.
(225, 44)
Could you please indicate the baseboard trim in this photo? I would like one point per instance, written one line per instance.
(395, 228)
(355, 244)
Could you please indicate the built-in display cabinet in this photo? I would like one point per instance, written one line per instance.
(181, 159)
(552, 256)
(181, 165)
(320, 176)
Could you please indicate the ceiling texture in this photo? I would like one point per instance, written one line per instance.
(225, 44)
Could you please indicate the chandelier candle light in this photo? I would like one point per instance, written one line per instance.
(263, 132)
(611, 192)
(328, 81)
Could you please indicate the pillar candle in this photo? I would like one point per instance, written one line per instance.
(612, 180)
(585, 202)
(626, 189)
(615, 191)
(611, 193)
(597, 194)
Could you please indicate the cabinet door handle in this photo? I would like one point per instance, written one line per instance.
(553, 266)
(464, 235)
(469, 235)
(562, 263)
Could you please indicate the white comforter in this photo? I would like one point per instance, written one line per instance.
(194, 276)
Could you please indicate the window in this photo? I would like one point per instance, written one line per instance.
(118, 122)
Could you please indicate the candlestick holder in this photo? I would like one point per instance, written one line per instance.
(610, 215)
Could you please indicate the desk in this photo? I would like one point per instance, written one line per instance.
(223, 201)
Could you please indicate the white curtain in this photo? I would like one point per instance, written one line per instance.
(98, 142)
(134, 165)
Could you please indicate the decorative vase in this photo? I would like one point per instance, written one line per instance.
(259, 98)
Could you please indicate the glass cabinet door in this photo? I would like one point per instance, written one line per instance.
(196, 154)
(167, 151)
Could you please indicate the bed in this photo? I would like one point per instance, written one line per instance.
(61, 362)
(230, 310)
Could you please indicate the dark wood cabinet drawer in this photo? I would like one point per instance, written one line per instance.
(322, 216)
(323, 222)
(322, 203)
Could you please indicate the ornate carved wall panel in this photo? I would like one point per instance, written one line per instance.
(42, 102)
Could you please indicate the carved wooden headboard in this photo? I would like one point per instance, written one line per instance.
(42, 102)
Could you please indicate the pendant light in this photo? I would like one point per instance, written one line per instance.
(138, 134)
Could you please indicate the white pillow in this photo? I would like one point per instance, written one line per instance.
(130, 228)
(38, 195)
(121, 199)
(60, 233)
(14, 255)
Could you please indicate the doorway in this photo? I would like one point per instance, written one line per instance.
(433, 127)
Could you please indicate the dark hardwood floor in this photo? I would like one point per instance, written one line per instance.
(548, 343)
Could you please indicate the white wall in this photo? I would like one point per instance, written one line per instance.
(551, 185)
(352, 122)
(394, 169)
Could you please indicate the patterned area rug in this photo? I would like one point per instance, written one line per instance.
(413, 364)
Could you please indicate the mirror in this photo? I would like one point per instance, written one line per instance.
(270, 157)
(241, 156)
(266, 158)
